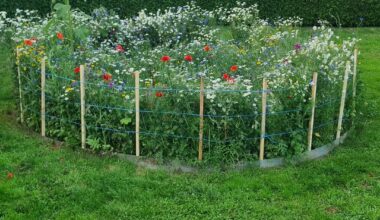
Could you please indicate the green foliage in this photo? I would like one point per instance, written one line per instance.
(95, 145)
(344, 12)
(126, 121)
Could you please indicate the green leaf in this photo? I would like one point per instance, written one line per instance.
(81, 32)
(62, 9)
(125, 121)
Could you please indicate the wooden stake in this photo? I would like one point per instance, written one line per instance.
(313, 100)
(19, 85)
(201, 119)
(82, 106)
(137, 100)
(263, 117)
(43, 101)
(343, 100)
(354, 73)
(354, 83)
(354, 80)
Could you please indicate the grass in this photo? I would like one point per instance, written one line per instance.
(59, 183)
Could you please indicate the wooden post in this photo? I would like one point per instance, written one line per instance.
(343, 100)
(43, 101)
(82, 106)
(201, 119)
(313, 99)
(19, 85)
(137, 104)
(263, 117)
(354, 74)
(354, 84)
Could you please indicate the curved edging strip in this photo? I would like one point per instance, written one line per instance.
(309, 155)
(267, 163)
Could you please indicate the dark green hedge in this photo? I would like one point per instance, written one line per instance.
(345, 12)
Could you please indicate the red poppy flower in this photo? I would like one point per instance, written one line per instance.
(159, 94)
(107, 77)
(234, 68)
(60, 36)
(226, 76)
(165, 58)
(77, 70)
(188, 58)
(10, 176)
(207, 48)
(119, 48)
(28, 42)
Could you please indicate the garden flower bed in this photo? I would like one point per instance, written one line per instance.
(231, 51)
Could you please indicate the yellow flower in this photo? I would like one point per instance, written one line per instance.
(258, 63)
(242, 51)
(148, 83)
(68, 89)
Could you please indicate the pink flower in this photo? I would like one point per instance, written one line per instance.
(119, 48)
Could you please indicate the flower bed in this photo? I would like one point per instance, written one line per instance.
(232, 50)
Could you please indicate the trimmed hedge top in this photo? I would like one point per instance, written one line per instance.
(344, 12)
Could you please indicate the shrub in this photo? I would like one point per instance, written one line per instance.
(344, 12)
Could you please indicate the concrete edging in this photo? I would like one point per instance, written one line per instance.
(267, 163)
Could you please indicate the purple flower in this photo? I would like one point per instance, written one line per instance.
(74, 84)
(110, 85)
(297, 46)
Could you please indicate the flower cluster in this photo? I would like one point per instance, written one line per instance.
(172, 49)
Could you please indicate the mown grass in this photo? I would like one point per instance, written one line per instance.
(59, 183)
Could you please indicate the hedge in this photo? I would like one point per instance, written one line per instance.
(345, 12)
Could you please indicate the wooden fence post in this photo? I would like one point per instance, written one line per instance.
(137, 104)
(43, 101)
(201, 119)
(263, 118)
(19, 85)
(343, 100)
(82, 105)
(313, 100)
(354, 80)
(354, 73)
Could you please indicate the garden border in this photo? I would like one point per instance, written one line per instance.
(263, 164)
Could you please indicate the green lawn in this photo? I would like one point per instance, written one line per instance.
(60, 183)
